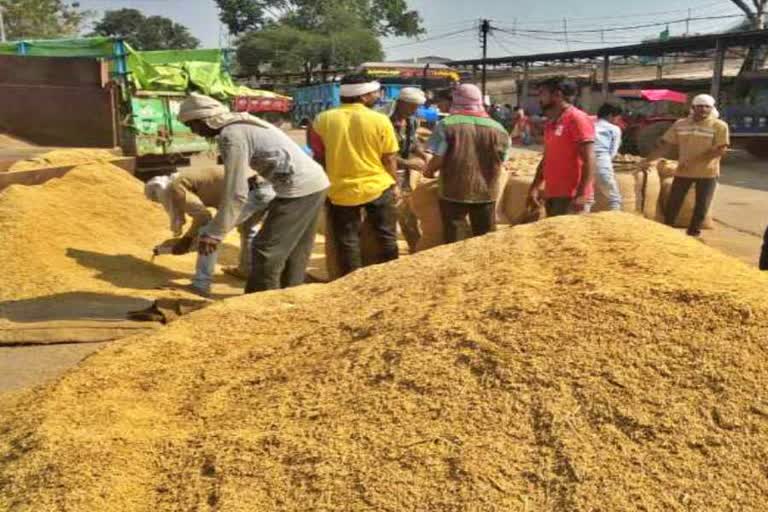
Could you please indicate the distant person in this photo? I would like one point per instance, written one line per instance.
(764, 252)
(563, 182)
(359, 150)
(192, 192)
(411, 157)
(469, 149)
(702, 139)
(607, 144)
(281, 250)
(521, 127)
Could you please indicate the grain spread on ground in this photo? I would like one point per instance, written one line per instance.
(583, 363)
(89, 231)
(63, 158)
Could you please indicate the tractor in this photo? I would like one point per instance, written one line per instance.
(648, 114)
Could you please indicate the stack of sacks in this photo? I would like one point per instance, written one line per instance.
(667, 170)
(639, 190)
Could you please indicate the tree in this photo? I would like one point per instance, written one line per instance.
(145, 33)
(383, 17)
(755, 15)
(338, 39)
(41, 19)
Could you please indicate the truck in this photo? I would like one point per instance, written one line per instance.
(99, 92)
(746, 112)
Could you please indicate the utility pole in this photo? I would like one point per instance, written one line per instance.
(2, 24)
(485, 28)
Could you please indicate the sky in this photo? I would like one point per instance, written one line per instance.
(522, 26)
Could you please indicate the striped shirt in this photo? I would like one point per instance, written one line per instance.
(474, 148)
(694, 139)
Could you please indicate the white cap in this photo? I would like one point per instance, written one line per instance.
(413, 95)
(704, 100)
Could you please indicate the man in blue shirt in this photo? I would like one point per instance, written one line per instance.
(607, 144)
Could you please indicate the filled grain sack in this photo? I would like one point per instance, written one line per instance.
(515, 201)
(501, 217)
(666, 168)
(424, 203)
(686, 211)
(639, 191)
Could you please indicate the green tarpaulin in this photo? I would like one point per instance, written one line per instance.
(167, 71)
(87, 47)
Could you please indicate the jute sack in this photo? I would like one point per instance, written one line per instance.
(501, 217)
(370, 249)
(683, 219)
(639, 191)
(666, 168)
(515, 201)
(424, 203)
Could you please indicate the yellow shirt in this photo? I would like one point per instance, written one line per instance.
(694, 139)
(355, 138)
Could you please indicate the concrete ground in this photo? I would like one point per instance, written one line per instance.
(741, 212)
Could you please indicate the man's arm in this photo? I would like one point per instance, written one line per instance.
(433, 167)
(390, 164)
(191, 205)
(616, 142)
(660, 151)
(236, 171)
(587, 152)
(534, 192)
(667, 144)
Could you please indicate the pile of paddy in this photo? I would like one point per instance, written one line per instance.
(600, 362)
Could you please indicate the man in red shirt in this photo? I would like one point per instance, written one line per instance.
(564, 178)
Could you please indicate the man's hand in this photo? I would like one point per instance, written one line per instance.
(207, 245)
(396, 193)
(534, 198)
(416, 164)
(182, 246)
(581, 199)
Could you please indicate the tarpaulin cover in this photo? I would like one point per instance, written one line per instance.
(654, 95)
(167, 71)
(85, 47)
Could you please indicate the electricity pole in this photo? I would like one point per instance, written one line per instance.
(2, 24)
(485, 28)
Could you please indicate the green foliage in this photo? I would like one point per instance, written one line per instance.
(41, 19)
(145, 33)
(241, 16)
(286, 47)
(298, 35)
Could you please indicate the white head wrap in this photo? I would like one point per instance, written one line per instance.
(214, 114)
(707, 101)
(357, 90)
(413, 95)
(158, 190)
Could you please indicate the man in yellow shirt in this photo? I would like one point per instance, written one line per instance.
(702, 139)
(358, 148)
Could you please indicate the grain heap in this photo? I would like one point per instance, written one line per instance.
(63, 158)
(602, 362)
(91, 230)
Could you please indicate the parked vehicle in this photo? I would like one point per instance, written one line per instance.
(309, 101)
(746, 112)
(146, 90)
(649, 113)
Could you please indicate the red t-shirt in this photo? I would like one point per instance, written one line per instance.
(563, 164)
